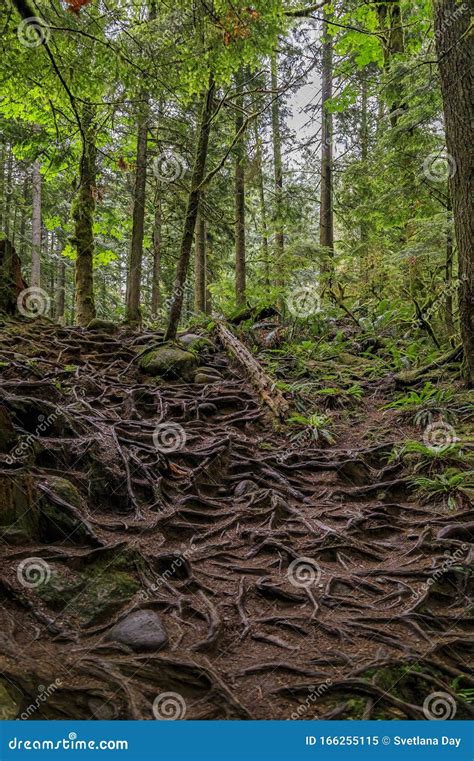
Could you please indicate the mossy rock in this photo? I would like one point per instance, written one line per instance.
(19, 512)
(56, 522)
(169, 361)
(93, 595)
(198, 344)
(7, 431)
(9, 706)
(102, 326)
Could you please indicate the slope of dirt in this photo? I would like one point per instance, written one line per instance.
(292, 583)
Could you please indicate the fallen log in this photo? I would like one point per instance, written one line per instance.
(410, 377)
(262, 382)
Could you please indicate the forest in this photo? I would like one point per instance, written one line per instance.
(236, 359)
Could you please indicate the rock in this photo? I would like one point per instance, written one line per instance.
(56, 523)
(196, 343)
(9, 706)
(210, 371)
(19, 513)
(93, 595)
(204, 378)
(141, 630)
(102, 326)
(205, 375)
(169, 361)
(7, 432)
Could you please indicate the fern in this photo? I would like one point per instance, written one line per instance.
(317, 428)
(451, 487)
(421, 458)
(421, 407)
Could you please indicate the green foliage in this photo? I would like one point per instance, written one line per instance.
(336, 397)
(316, 428)
(422, 406)
(421, 458)
(451, 487)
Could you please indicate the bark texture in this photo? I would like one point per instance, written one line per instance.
(326, 223)
(192, 211)
(240, 253)
(454, 46)
(133, 313)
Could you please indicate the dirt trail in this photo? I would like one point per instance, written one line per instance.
(291, 583)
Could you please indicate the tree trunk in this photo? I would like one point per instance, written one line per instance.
(192, 211)
(209, 269)
(455, 66)
(36, 226)
(263, 207)
(326, 220)
(21, 234)
(239, 192)
(2, 187)
(133, 312)
(278, 169)
(83, 216)
(448, 313)
(8, 194)
(393, 42)
(200, 265)
(61, 287)
(157, 239)
(11, 279)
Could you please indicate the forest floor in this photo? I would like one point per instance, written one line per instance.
(294, 578)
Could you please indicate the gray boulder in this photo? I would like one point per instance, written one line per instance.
(141, 630)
